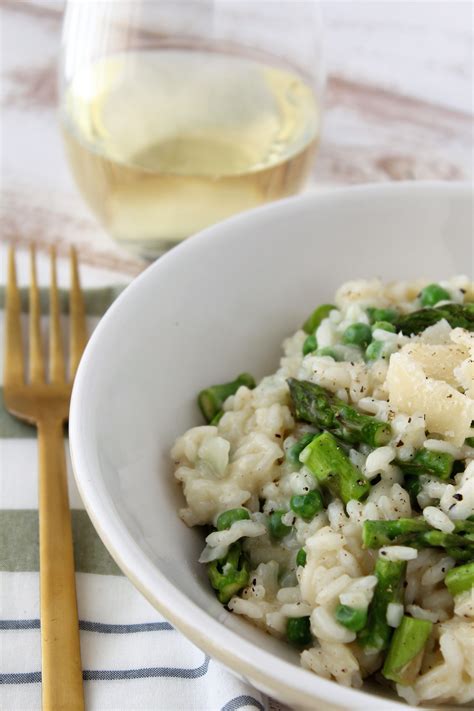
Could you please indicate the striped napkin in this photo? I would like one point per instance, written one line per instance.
(132, 657)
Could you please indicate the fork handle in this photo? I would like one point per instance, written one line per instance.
(62, 688)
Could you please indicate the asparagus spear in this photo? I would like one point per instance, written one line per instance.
(457, 315)
(211, 399)
(318, 315)
(439, 464)
(375, 636)
(376, 534)
(417, 533)
(406, 650)
(413, 485)
(460, 579)
(230, 574)
(328, 463)
(460, 554)
(314, 404)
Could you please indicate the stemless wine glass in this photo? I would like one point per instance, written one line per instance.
(177, 114)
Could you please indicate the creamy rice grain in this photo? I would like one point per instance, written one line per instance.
(438, 519)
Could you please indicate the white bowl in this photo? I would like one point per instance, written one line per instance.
(217, 305)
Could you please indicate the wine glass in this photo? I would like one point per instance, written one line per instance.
(177, 114)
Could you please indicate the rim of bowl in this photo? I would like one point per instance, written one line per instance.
(210, 635)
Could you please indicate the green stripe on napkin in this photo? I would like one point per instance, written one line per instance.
(96, 301)
(19, 547)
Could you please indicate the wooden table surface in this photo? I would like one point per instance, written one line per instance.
(399, 105)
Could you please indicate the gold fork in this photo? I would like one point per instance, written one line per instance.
(45, 403)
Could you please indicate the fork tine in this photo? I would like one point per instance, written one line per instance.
(78, 337)
(36, 351)
(13, 363)
(57, 370)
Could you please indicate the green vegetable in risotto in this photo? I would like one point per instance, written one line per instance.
(417, 533)
(405, 655)
(314, 404)
(310, 344)
(298, 630)
(328, 351)
(358, 334)
(439, 464)
(353, 618)
(301, 557)
(226, 519)
(293, 452)
(276, 526)
(375, 315)
(457, 315)
(433, 294)
(307, 505)
(384, 326)
(318, 315)
(211, 399)
(414, 486)
(326, 460)
(376, 534)
(374, 350)
(229, 574)
(364, 524)
(460, 579)
(375, 636)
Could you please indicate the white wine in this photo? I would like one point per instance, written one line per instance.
(163, 143)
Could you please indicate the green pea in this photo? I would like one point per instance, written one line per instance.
(298, 630)
(374, 350)
(350, 617)
(307, 505)
(293, 452)
(384, 326)
(381, 314)
(276, 527)
(301, 557)
(310, 344)
(357, 334)
(328, 351)
(433, 294)
(226, 519)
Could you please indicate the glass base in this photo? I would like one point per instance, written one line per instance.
(149, 250)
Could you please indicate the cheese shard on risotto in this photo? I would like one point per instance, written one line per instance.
(438, 361)
(464, 373)
(413, 390)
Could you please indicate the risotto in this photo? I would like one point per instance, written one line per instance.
(338, 493)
